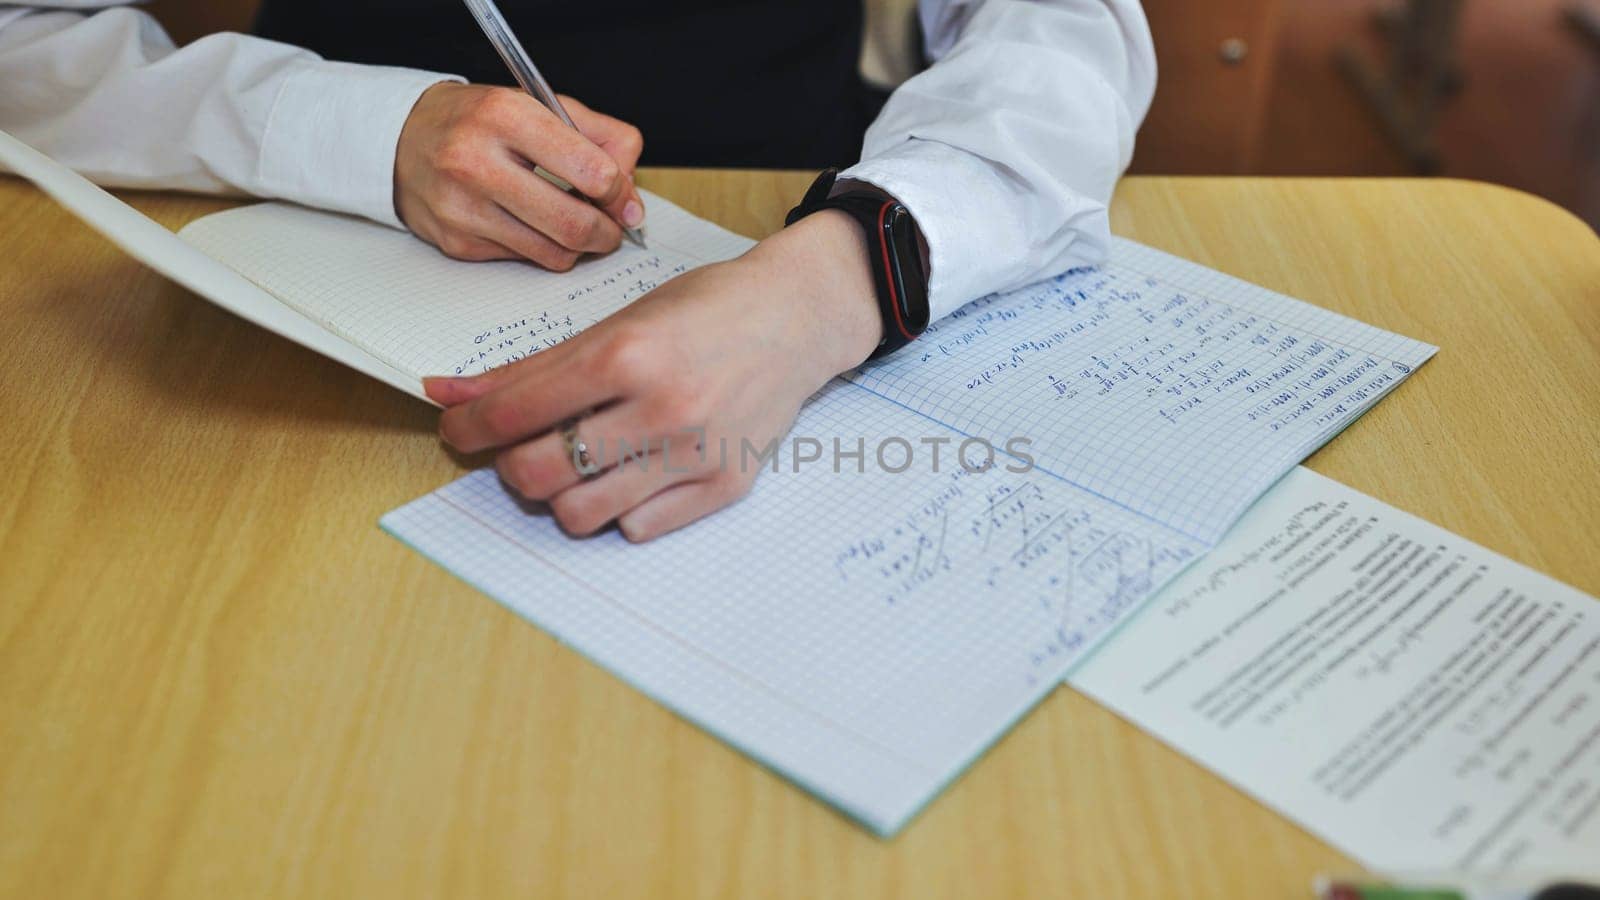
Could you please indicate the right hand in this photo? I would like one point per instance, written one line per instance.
(464, 178)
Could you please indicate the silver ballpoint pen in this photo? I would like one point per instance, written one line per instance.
(510, 49)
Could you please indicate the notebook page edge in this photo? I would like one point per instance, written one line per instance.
(150, 243)
(231, 237)
(402, 523)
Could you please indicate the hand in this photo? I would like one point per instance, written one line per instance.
(727, 352)
(464, 178)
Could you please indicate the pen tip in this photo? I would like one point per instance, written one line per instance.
(636, 236)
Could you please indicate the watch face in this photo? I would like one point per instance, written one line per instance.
(905, 267)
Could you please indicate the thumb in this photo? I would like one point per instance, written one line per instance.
(623, 143)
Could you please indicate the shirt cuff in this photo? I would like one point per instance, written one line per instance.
(976, 223)
(331, 135)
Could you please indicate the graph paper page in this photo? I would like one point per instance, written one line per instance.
(867, 634)
(1158, 383)
(425, 314)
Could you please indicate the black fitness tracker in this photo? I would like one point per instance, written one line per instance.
(894, 248)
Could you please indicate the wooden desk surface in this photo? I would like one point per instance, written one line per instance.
(219, 679)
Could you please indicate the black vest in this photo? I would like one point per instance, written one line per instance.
(762, 83)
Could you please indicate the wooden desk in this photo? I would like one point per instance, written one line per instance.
(219, 679)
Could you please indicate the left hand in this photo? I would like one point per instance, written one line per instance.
(727, 352)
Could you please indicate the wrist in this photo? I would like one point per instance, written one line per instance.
(823, 260)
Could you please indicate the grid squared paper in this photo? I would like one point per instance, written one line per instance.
(426, 314)
(1139, 382)
(868, 633)
(865, 633)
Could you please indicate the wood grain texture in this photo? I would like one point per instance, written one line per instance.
(219, 679)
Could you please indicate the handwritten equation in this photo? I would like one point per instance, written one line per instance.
(1161, 397)
(579, 308)
(1081, 562)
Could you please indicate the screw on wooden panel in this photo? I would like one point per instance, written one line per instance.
(1233, 51)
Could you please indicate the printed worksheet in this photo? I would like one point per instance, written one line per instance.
(1421, 702)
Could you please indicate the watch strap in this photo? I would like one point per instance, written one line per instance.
(893, 251)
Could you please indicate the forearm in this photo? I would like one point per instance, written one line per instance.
(1007, 149)
(109, 95)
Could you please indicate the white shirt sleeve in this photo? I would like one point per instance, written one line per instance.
(106, 92)
(1007, 148)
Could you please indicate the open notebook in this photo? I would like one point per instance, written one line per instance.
(863, 623)
(374, 298)
(868, 630)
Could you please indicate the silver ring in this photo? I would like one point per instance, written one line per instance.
(578, 451)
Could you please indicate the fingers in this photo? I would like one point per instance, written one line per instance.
(546, 209)
(624, 143)
(616, 441)
(554, 241)
(588, 506)
(680, 505)
(516, 412)
(542, 139)
(547, 249)
(451, 391)
(548, 226)
(465, 177)
(550, 387)
(543, 469)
